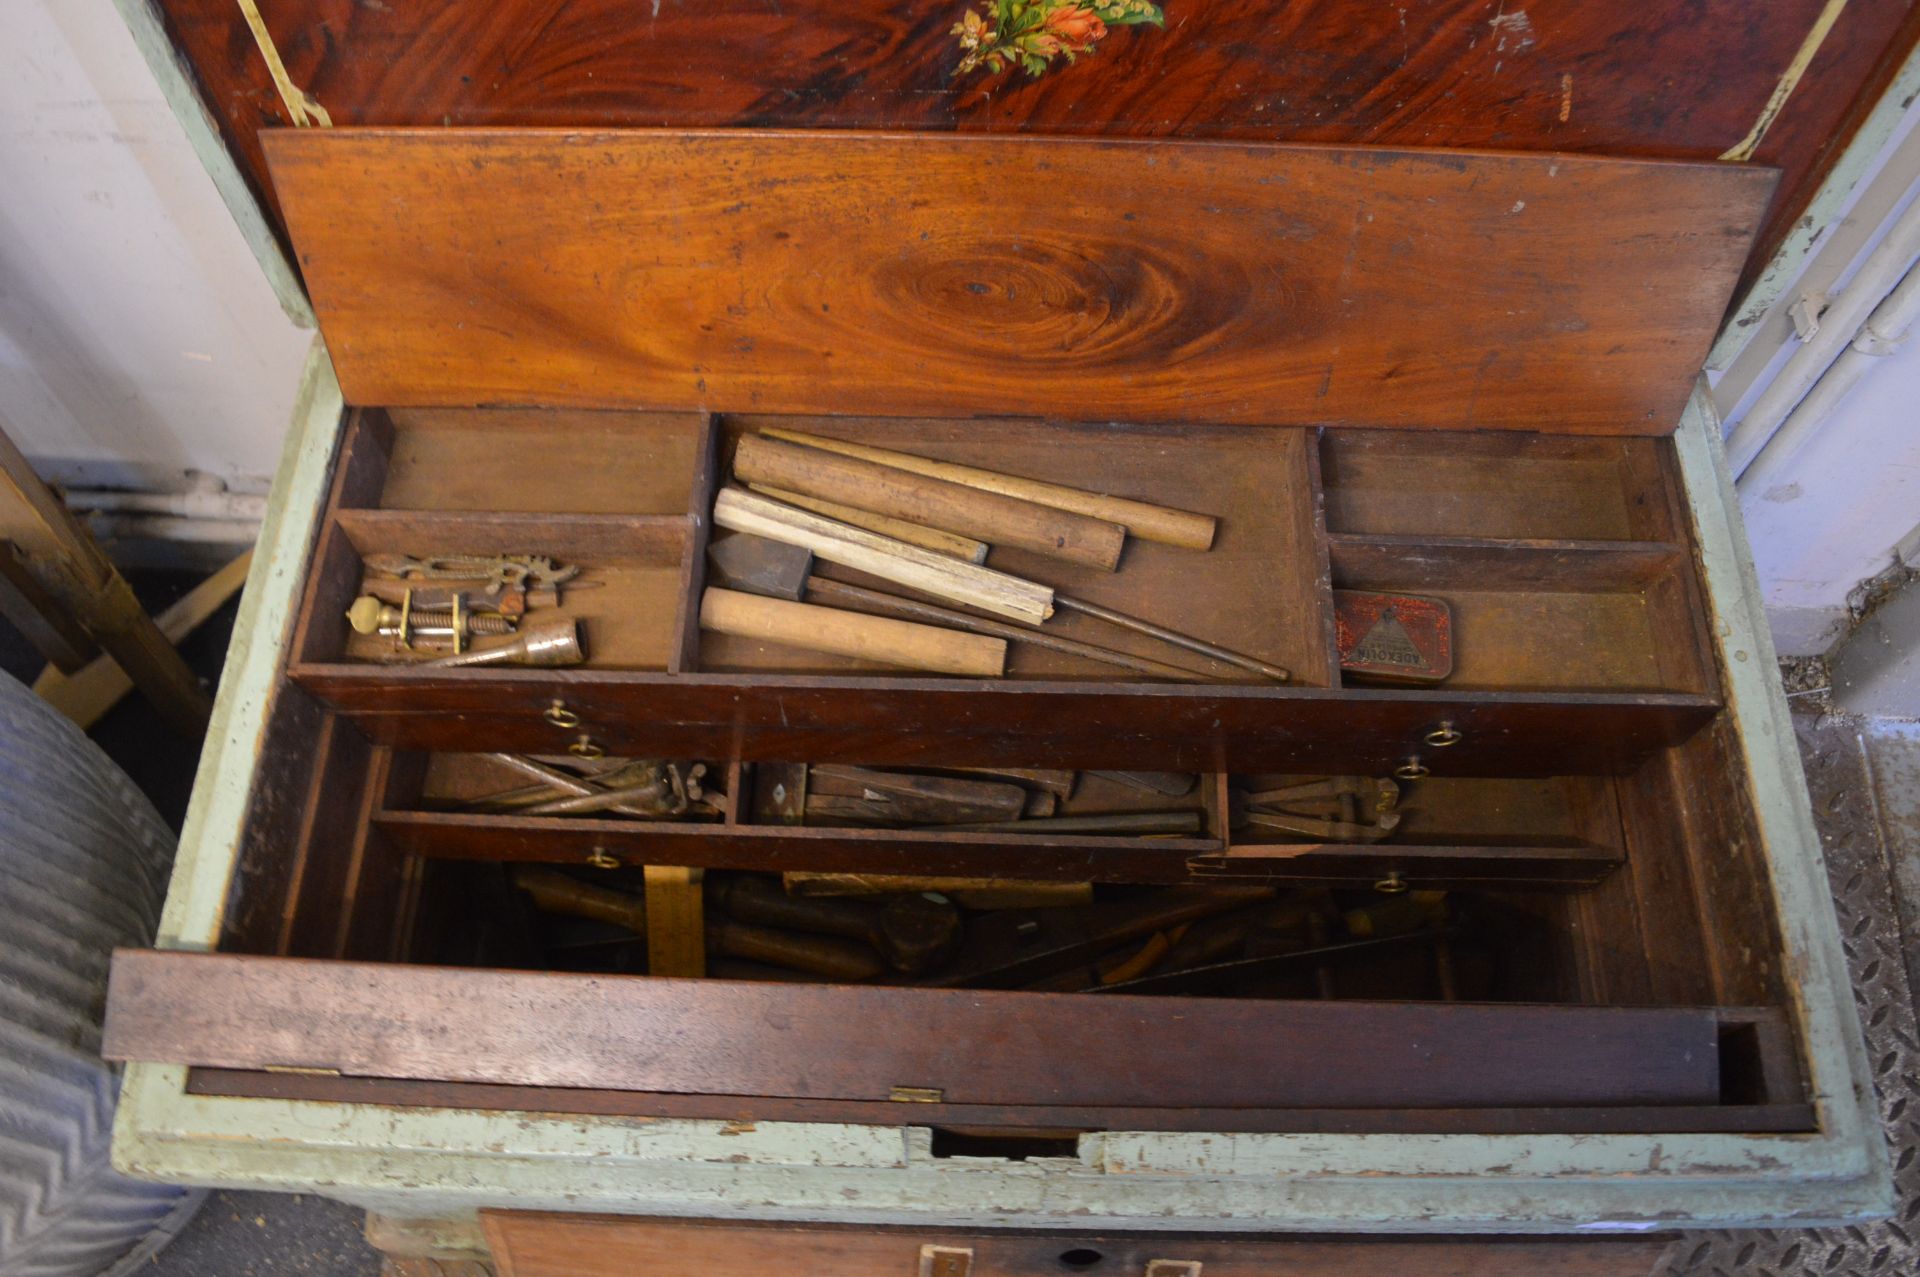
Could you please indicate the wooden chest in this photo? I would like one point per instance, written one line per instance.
(1586, 976)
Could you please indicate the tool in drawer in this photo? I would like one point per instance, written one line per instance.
(543, 643)
(1016, 598)
(830, 957)
(1333, 809)
(369, 615)
(912, 931)
(869, 638)
(1140, 518)
(498, 571)
(643, 788)
(1013, 947)
(929, 501)
(865, 795)
(1405, 638)
(758, 565)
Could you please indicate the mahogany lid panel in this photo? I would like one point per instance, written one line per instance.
(918, 274)
(1675, 78)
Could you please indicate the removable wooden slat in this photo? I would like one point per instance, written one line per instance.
(1039, 857)
(718, 1036)
(1024, 275)
(564, 537)
(1788, 1116)
(1054, 724)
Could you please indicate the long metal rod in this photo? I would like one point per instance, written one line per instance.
(1174, 637)
(863, 599)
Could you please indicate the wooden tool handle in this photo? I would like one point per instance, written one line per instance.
(556, 893)
(936, 503)
(861, 599)
(868, 638)
(945, 578)
(826, 956)
(1143, 519)
(951, 543)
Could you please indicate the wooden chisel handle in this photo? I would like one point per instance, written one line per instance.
(865, 600)
(932, 502)
(869, 638)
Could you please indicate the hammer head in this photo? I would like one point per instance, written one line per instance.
(740, 561)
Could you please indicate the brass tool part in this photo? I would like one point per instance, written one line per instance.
(369, 615)
(497, 571)
(546, 643)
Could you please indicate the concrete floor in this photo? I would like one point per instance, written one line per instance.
(1865, 783)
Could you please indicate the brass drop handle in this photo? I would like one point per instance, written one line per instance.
(560, 716)
(1443, 736)
(1412, 769)
(601, 858)
(585, 748)
(1391, 885)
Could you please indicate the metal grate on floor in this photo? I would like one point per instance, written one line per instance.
(1865, 785)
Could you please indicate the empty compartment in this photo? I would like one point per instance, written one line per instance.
(1497, 485)
(528, 460)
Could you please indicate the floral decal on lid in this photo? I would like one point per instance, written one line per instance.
(1032, 33)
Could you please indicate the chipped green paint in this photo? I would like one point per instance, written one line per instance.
(418, 1162)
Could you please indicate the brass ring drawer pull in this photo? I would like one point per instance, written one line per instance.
(1443, 736)
(1412, 769)
(1391, 885)
(585, 748)
(601, 858)
(560, 716)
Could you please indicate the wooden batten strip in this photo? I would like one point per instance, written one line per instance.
(854, 1042)
(1142, 519)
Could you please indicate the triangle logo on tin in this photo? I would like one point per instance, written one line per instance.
(1388, 643)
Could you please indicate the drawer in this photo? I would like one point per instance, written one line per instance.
(1577, 652)
(1543, 945)
(532, 1245)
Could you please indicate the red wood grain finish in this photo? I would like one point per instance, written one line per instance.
(852, 1042)
(911, 274)
(1678, 78)
(530, 1244)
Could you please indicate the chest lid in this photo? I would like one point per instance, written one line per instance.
(921, 274)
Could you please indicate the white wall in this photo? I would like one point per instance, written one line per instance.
(138, 337)
(1843, 502)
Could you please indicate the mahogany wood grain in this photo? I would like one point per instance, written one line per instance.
(780, 718)
(852, 1042)
(1575, 76)
(532, 1244)
(912, 273)
(1055, 1120)
(1041, 857)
